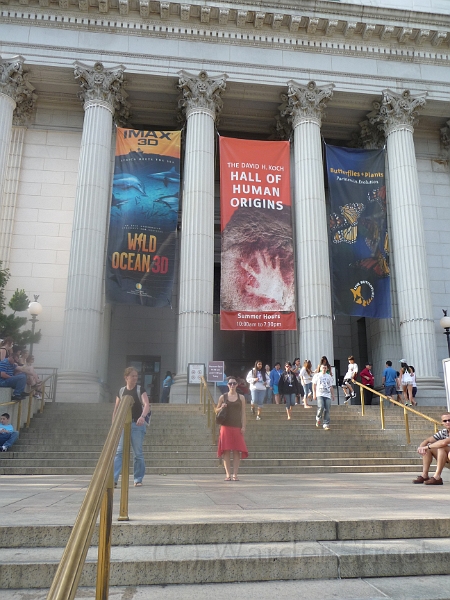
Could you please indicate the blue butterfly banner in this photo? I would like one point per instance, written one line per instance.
(358, 232)
(140, 262)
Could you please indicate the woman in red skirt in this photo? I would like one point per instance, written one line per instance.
(231, 437)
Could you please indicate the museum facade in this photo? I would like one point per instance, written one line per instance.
(351, 75)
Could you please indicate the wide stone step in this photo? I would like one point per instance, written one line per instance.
(231, 562)
(400, 467)
(233, 531)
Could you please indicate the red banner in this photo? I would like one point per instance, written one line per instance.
(257, 283)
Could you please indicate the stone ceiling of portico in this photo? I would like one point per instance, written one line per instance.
(248, 109)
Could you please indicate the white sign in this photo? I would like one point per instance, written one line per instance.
(446, 365)
(195, 372)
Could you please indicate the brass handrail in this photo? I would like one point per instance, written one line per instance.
(99, 494)
(209, 405)
(406, 410)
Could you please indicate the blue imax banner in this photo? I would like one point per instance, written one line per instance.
(143, 219)
(358, 232)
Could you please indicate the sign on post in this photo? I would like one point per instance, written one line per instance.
(215, 371)
(195, 372)
(446, 366)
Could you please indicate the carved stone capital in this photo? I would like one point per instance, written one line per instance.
(14, 83)
(306, 102)
(199, 92)
(397, 111)
(445, 139)
(104, 85)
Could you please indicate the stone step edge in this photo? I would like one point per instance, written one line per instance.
(216, 563)
(234, 531)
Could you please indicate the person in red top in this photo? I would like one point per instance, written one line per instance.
(368, 379)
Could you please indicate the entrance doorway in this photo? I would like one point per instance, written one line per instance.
(148, 368)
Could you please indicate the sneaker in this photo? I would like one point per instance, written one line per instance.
(4, 448)
(353, 395)
(252, 408)
(38, 397)
(326, 427)
(317, 423)
(347, 399)
(258, 418)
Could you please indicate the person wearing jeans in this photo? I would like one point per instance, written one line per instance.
(323, 392)
(8, 436)
(8, 377)
(140, 409)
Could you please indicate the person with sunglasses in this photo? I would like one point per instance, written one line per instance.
(437, 446)
(231, 437)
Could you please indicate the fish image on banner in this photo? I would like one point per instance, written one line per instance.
(257, 290)
(358, 232)
(143, 217)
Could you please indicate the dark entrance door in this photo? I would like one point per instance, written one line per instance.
(148, 368)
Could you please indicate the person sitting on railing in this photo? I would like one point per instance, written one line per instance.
(10, 378)
(7, 433)
(26, 366)
(368, 380)
(349, 377)
(437, 446)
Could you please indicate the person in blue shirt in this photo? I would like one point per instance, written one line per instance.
(167, 384)
(389, 380)
(7, 434)
(9, 378)
(274, 378)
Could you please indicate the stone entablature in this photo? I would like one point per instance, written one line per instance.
(337, 22)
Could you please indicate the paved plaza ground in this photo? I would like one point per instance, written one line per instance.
(55, 500)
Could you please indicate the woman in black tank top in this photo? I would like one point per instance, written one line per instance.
(231, 438)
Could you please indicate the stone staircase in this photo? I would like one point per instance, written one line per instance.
(218, 552)
(68, 438)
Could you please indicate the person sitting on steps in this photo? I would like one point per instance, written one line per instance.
(10, 378)
(8, 435)
(437, 446)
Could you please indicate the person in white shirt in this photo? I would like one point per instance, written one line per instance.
(257, 380)
(323, 392)
(349, 377)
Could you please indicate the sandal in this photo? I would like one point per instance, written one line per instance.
(227, 479)
(138, 484)
(420, 479)
(235, 478)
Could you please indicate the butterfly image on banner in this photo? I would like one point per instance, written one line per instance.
(345, 227)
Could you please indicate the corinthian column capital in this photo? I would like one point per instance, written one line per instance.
(398, 111)
(201, 93)
(307, 103)
(105, 86)
(14, 84)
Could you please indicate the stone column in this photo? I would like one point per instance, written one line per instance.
(304, 110)
(396, 117)
(101, 92)
(201, 104)
(16, 98)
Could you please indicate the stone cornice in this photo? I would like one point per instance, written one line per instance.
(340, 22)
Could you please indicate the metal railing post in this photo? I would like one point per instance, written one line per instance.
(408, 437)
(42, 398)
(125, 481)
(382, 413)
(361, 392)
(19, 416)
(104, 540)
(30, 400)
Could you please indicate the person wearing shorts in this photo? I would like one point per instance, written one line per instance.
(275, 375)
(389, 381)
(256, 378)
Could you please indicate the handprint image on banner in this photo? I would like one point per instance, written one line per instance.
(358, 232)
(257, 283)
(143, 217)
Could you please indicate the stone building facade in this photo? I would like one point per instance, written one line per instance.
(350, 73)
